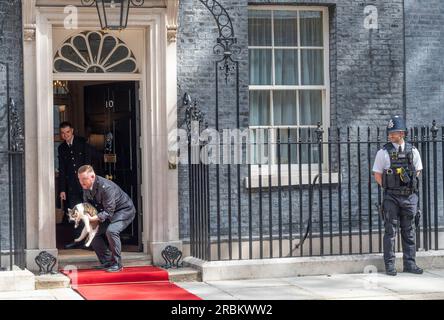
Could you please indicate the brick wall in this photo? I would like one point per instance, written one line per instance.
(424, 53)
(11, 53)
(366, 71)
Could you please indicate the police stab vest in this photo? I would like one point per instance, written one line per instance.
(400, 178)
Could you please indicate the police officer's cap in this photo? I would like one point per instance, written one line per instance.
(396, 123)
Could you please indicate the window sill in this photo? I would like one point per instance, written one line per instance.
(255, 179)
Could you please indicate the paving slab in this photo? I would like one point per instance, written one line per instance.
(51, 294)
(287, 292)
(205, 291)
(341, 286)
(406, 283)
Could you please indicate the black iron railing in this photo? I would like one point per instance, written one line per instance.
(12, 177)
(315, 196)
(12, 231)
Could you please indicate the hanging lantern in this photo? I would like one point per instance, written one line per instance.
(113, 14)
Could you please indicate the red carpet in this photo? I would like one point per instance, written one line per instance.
(133, 283)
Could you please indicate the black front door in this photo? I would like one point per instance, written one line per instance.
(112, 123)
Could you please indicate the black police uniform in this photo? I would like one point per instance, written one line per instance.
(400, 202)
(400, 185)
(71, 158)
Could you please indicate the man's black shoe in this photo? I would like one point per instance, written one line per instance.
(390, 271)
(90, 248)
(115, 268)
(73, 245)
(415, 270)
(105, 265)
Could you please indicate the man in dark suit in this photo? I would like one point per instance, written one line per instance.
(116, 211)
(73, 153)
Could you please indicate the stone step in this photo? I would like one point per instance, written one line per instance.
(84, 259)
(52, 281)
(17, 280)
(184, 275)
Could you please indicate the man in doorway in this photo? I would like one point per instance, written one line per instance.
(116, 211)
(73, 153)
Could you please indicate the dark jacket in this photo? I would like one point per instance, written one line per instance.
(70, 160)
(110, 200)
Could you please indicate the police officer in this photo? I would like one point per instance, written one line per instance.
(396, 168)
(73, 153)
(116, 211)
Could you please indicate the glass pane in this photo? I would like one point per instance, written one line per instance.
(260, 66)
(309, 151)
(310, 102)
(312, 65)
(94, 43)
(108, 45)
(63, 66)
(259, 108)
(286, 66)
(311, 28)
(125, 66)
(285, 28)
(119, 55)
(80, 44)
(284, 107)
(259, 28)
(70, 54)
(288, 139)
(259, 146)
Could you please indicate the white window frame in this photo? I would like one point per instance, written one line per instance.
(325, 100)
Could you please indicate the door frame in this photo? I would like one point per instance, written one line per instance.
(158, 107)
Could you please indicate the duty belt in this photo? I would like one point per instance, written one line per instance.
(397, 192)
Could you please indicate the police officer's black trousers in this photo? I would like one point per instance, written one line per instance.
(402, 209)
(112, 233)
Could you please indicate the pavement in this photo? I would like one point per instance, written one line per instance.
(369, 286)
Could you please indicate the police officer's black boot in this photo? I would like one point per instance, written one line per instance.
(390, 270)
(414, 269)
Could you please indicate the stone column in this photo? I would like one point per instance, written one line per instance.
(40, 204)
(164, 222)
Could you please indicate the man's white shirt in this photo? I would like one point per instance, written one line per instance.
(382, 160)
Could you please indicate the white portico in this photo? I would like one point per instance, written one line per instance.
(150, 35)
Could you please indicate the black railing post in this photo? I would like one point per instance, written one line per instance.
(424, 190)
(359, 190)
(279, 191)
(330, 199)
(319, 133)
(301, 215)
(369, 186)
(350, 234)
(290, 189)
(339, 190)
(434, 131)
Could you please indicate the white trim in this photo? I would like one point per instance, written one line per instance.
(79, 76)
(294, 7)
(157, 94)
(296, 179)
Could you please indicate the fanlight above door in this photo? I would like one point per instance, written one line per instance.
(94, 52)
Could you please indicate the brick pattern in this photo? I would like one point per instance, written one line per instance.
(11, 53)
(366, 71)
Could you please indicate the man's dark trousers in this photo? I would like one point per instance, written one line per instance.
(404, 208)
(112, 233)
